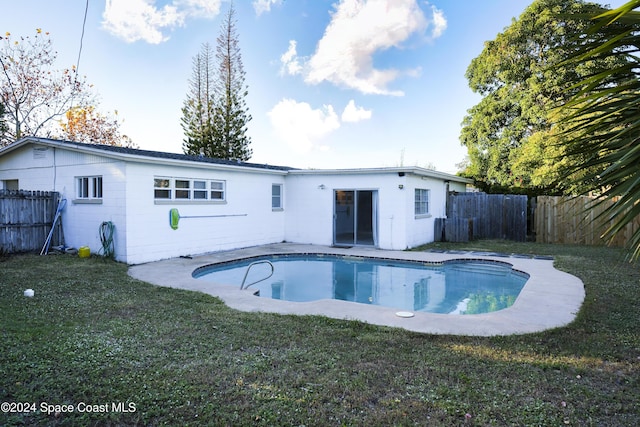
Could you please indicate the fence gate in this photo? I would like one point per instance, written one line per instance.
(26, 218)
(483, 216)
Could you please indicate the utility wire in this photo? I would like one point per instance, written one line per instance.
(84, 23)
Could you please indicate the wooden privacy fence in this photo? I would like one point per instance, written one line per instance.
(26, 218)
(483, 216)
(569, 220)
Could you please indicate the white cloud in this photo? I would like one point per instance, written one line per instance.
(261, 6)
(300, 125)
(133, 20)
(199, 8)
(354, 114)
(290, 62)
(359, 29)
(439, 22)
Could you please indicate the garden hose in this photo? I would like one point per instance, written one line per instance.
(106, 238)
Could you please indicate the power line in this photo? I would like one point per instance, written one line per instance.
(84, 23)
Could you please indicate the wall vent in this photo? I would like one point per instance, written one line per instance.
(40, 152)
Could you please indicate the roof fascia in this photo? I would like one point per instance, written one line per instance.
(421, 172)
(69, 145)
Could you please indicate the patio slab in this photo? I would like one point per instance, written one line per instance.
(549, 299)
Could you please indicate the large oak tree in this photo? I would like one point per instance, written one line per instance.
(510, 134)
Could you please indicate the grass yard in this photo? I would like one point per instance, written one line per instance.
(110, 350)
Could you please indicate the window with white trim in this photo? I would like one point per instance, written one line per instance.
(422, 201)
(10, 184)
(162, 188)
(88, 187)
(199, 190)
(188, 189)
(217, 190)
(183, 189)
(276, 196)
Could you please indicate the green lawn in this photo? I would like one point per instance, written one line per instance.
(96, 339)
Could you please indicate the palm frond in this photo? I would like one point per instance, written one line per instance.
(602, 121)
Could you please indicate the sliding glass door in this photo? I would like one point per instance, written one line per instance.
(355, 217)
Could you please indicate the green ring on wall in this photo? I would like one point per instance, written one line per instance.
(174, 218)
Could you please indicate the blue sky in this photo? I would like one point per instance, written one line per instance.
(332, 83)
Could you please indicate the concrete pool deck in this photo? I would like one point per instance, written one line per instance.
(549, 299)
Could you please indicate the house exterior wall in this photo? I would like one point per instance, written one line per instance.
(47, 168)
(308, 210)
(142, 228)
(244, 219)
(420, 228)
(460, 187)
(310, 207)
(32, 166)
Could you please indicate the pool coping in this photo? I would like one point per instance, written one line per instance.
(550, 298)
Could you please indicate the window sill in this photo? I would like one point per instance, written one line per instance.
(87, 201)
(277, 209)
(421, 216)
(189, 202)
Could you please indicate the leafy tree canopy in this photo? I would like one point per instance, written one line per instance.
(90, 126)
(34, 93)
(38, 98)
(602, 121)
(509, 134)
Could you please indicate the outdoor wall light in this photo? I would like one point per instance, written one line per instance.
(400, 186)
(321, 187)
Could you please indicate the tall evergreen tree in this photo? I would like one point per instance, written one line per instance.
(231, 113)
(214, 115)
(197, 112)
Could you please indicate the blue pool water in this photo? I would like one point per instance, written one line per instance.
(454, 287)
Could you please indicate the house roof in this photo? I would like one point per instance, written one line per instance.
(135, 154)
(400, 170)
(141, 155)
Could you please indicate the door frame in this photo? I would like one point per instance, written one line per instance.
(355, 214)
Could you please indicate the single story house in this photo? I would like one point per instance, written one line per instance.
(165, 205)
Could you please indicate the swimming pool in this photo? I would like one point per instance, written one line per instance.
(454, 287)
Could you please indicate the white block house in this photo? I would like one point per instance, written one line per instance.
(223, 204)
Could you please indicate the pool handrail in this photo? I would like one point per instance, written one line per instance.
(246, 273)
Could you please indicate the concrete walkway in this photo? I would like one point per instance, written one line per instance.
(549, 299)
